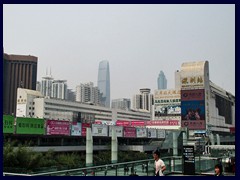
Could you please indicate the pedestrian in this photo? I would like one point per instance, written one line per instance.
(218, 170)
(158, 164)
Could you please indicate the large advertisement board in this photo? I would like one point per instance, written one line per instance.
(99, 130)
(152, 133)
(167, 103)
(129, 132)
(76, 129)
(161, 133)
(55, 127)
(141, 132)
(193, 109)
(84, 126)
(118, 129)
(30, 126)
(8, 124)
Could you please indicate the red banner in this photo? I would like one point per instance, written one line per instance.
(123, 123)
(194, 125)
(163, 123)
(189, 95)
(129, 132)
(55, 127)
(84, 126)
(138, 123)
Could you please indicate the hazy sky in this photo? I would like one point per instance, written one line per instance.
(137, 40)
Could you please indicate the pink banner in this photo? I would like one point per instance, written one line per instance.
(84, 126)
(196, 94)
(129, 132)
(163, 123)
(194, 124)
(55, 127)
(123, 123)
(138, 123)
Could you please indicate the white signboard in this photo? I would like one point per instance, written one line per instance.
(161, 134)
(118, 129)
(141, 132)
(99, 130)
(76, 129)
(152, 133)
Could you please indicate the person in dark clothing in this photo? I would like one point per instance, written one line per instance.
(218, 170)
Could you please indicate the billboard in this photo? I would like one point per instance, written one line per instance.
(99, 130)
(76, 129)
(129, 132)
(30, 126)
(84, 126)
(141, 132)
(161, 134)
(167, 109)
(8, 124)
(152, 133)
(118, 129)
(193, 114)
(189, 95)
(55, 127)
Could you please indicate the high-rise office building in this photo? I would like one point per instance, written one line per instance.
(162, 81)
(104, 83)
(87, 93)
(123, 103)
(38, 86)
(59, 89)
(18, 71)
(144, 100)
(177, 79)
(71, 95)
(46, 85)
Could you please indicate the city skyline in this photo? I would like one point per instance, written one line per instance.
(137, 40)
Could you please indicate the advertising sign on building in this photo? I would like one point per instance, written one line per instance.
(138, 123)
(152, 133)
(167, 103)
(193, 109)
(118, 129)
(30, 126)
(163, 123)
(55, 127)
(141, 132)
(123, 123)
(84, 126)
(76, 129)
(161, 133)
(8, 124)
(192, 81)
(129, 132)
(99, 130)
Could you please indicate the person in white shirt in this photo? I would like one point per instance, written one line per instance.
(158, 164)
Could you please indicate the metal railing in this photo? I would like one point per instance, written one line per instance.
(203, 166)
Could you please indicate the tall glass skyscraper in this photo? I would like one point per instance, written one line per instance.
(104, 83)
(162, 81)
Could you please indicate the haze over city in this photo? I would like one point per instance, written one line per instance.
(137, 40)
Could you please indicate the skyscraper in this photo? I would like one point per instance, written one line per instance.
(87, 93)
(46, 86)
(18, 71)
(122, 103)
(144, 100)
(59, 89)
(104, 83)
(162, 81)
